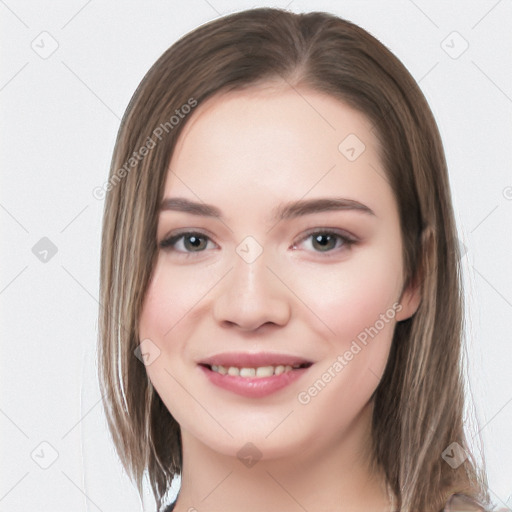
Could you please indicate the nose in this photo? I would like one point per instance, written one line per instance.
(251, 296)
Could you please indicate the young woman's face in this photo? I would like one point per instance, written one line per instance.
(262, 273)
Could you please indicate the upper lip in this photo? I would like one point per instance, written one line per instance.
(254, 360)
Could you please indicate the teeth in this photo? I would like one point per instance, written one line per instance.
(279, 370)
(233, 371)
(265, 371)
(261, 371)
(247, 372)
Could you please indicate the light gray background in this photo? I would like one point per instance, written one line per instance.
(60, 115)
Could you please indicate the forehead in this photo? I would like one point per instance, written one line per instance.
(276, 142)
(294, 114)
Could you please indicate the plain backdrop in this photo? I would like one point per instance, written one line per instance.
(67, 74)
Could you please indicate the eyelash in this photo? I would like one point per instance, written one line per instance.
(169, 243)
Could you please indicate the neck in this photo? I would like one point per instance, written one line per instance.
(333, 477)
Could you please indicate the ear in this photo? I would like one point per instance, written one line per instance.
(409, 300)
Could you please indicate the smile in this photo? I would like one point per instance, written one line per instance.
(253, 375)
(259, 372)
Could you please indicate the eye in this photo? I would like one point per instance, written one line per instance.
(186, 242)
(327, 240)
(323, 241)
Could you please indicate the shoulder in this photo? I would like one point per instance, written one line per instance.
(457, 503)
(462, 503)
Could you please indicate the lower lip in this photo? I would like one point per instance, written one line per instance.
(256, 387)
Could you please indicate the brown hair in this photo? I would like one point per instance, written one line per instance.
(419, 402)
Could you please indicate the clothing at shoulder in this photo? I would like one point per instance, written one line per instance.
(461, 503)
(457, 503)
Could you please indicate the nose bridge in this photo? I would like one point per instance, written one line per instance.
(251, 295)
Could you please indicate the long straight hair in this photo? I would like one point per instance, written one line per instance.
(419, 403)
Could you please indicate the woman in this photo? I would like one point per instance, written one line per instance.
(283, 307)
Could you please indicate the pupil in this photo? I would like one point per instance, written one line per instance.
(194, 241)
(318, 239)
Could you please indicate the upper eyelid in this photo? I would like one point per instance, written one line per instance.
(343, 233)
(181, 234)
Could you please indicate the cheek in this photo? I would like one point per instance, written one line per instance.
(167, 303)
(163, 320)
(351, 298)
(360, 310)
(172, 309)
(170, 298)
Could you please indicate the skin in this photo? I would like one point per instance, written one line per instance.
(246, 152)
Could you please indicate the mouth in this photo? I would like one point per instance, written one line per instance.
(258, 372)
(253, 375)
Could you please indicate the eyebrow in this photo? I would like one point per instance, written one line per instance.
(282, 212)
